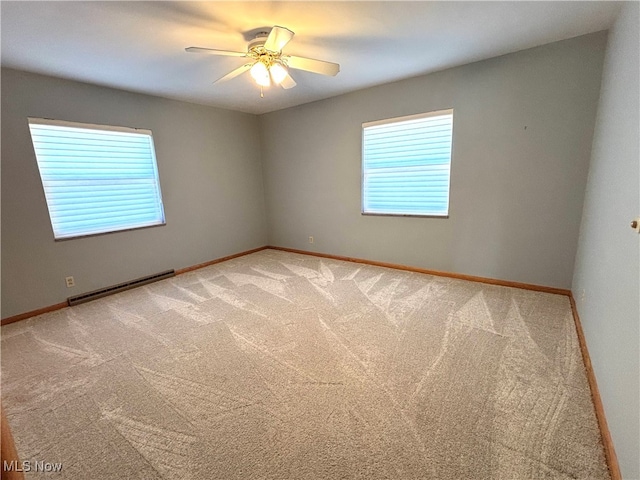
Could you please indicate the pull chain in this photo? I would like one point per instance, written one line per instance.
(261, 92)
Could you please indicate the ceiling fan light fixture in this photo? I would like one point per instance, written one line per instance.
(278, 73)
(266, 62)
(260, 74)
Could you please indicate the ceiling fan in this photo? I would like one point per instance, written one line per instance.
(267, 64)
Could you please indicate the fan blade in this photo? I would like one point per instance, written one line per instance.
(311, 65)
(235, 73)
(213, 51)
(278, 38)
(288, 82)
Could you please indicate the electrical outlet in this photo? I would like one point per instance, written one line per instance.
(582, 295)
(310, 239)
(70, 282)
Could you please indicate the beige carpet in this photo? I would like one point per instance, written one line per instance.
(284, 366)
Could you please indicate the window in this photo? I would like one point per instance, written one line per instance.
(96, 178)
(406, 165)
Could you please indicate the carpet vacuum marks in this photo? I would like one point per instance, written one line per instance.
(277, 365)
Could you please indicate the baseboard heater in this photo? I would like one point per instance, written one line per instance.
(103, 292)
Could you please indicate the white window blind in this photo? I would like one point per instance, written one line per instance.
(406, 164)
(97, 178)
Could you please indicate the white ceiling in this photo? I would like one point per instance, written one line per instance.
(139, 46)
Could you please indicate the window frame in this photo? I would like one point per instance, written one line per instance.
(387, 121)
(36, 121)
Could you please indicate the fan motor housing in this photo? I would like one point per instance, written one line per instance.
(259, 41)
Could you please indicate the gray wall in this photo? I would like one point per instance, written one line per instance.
(516, 193)
(608, 259)
(210, 174)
